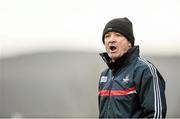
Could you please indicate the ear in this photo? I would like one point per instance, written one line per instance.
(129, 45)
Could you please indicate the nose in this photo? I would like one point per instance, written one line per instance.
(112, 39)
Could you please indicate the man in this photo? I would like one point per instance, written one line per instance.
(131, 87)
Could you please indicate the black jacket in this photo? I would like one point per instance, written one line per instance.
(131, 87)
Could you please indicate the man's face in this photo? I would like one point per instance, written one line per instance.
(116, 45)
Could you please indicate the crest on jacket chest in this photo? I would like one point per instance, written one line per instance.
(126, 79)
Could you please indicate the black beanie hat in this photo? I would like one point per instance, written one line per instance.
(120, 25)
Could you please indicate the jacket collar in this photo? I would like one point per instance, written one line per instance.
(125, 59)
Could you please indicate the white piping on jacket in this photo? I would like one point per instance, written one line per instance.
(157, 97)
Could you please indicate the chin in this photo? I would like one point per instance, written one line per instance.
(114, 57)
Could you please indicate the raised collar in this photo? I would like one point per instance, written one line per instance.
(125, 59)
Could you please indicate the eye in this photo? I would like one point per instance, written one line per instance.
(118, 34)
(107, 35)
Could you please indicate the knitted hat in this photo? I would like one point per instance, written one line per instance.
(120, 25)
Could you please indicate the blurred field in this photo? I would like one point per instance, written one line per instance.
(64, 84)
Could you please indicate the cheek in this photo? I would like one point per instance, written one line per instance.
(106, 46)
(123, 48)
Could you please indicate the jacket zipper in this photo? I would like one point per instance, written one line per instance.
(109, 104)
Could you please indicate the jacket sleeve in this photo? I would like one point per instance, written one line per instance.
(152, 94)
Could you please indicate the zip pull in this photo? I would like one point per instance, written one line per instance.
(112, 78)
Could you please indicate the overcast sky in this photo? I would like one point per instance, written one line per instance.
(40, 25)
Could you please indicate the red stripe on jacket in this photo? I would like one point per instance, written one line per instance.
(117, 92)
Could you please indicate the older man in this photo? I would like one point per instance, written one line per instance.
(131, 87)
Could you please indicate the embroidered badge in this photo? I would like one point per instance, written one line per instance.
(126, 79)
(103, 79)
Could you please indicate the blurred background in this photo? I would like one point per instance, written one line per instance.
(49, 53)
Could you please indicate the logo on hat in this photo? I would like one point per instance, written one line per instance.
(109, 28)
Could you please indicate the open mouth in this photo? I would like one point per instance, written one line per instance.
(112, 48)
